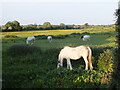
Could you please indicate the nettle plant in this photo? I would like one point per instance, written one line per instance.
(105, 61)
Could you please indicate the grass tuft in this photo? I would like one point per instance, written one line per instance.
(22, 49)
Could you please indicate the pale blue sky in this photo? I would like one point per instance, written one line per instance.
(75, 12)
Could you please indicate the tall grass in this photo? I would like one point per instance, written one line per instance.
(38, 70)
(23, 49)
(34, 66)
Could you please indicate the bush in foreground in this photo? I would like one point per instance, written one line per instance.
(105, 61)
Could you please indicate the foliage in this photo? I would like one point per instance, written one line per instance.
(86, 25)
(47, 25)
(62, 26)
(23, 69)
(30, 27)
(14, 25)
(105, 61)
(26, 66)
(116, 74)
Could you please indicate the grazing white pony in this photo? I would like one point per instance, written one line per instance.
(74, 53)
(49, 38)
(85, 37)
(30, 40)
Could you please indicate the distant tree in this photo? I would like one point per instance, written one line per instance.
(3, 27)
(69, 26)
(55, 27)
(86, 25)
(76, 27)
(10, 28)
(47, 25)
(38, 27)
(62, 26)
(24, 27)
(8, 24)
(14, 25)
(32, 26)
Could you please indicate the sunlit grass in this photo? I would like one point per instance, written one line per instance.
(112, 44)
(54, 32)
(35, 66)
(112, 39)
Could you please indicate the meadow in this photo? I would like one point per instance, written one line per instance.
(25, 66)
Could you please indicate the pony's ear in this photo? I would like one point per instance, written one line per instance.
(81, 37)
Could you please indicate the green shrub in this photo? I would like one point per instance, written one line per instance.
(88, 79)
(105, 61)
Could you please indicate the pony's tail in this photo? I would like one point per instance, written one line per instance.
(89, 58)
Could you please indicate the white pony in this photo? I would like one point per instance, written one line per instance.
(75, 53)
(85, 37)
(49, 38)
(30, 40)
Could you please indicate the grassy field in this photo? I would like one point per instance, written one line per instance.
(35, 66)
(56, 32)
(99, 36)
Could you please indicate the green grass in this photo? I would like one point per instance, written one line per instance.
(95, 40)
(38, 69)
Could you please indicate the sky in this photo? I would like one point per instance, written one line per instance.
(78, 12)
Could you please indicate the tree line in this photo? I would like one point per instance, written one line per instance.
(15, 26)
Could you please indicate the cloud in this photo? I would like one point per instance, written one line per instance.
(58, 1)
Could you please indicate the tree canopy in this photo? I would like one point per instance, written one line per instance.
(47, 25)
(14, 25)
